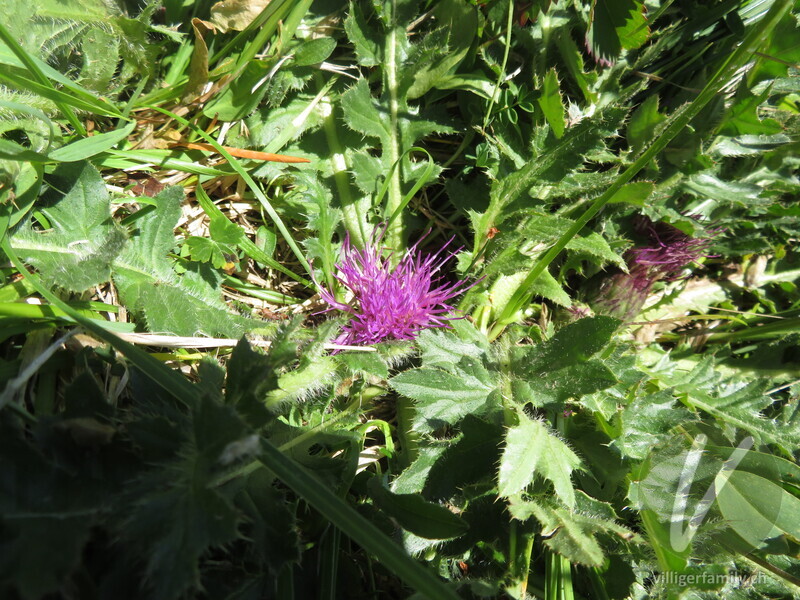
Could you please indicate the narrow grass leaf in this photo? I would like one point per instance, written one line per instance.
(352, 524)
(91, 146)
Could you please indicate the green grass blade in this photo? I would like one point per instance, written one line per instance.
(91, 146)
(61, 99)
(265, 23)
(417, 185)
(164, 159)
(237, 166)
(352, 524)
(102, 106)
(245, 244)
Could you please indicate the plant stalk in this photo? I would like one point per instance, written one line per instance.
(354, 212)
(394, 237)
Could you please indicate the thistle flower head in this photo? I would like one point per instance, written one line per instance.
(392, 302)
(622, 295)
(671, 251)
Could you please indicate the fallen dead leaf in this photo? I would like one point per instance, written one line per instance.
(236, 14)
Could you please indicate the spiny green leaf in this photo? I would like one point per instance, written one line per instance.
(545, 286)
(443, 397)
(739, 405)
(313, 374)
(551, 104)
(558, 385)
(616, 25)
(365, 38)
(473, 455)
(189, 304)
(571, 345)
(708, 185)
(442, 50)
(368, 172)
(532, 449)
(635, 193)
(573, 533)
(743, 118)
(271, 523)
(748, 145)
(176, 515)
(39, 501)
(646, 421)
(152, 238)
(444, 349)
(251, 376)
(413, 477)
(363, 114)
(551, 161)
(417, 515)
(79, 250)
(110, 42)
(644, 123)
(561, 368)
(365, 362)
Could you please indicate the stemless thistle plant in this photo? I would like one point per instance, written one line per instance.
(392, 302)
(622, 295)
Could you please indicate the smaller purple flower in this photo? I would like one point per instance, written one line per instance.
(622, 295)
(392, 302)
(671, 252)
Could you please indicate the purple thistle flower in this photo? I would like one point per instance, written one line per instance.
(622, 295)
(392, 303)
(673, 250)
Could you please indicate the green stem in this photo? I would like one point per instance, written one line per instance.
(329, 564)
(465, 142)
(597, 583)
(552, 571)
(520, 550)
(754, 39)
(565, 588)
(354, 212)
(501, 75)
(409, 439)
(668, 560)
(395, 234)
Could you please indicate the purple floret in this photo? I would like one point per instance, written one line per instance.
(623, 294)
(673, 250)
(392, 303)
